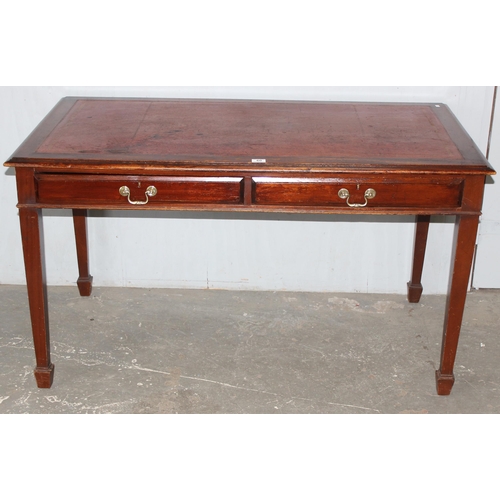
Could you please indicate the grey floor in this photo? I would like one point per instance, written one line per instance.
(212, 351)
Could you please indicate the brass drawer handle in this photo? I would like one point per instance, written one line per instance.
(369, 195)
(150, 191)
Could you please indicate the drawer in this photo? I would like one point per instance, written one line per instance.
(426, 192)
(127, 191)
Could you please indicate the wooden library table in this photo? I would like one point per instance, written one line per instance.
(252, 156)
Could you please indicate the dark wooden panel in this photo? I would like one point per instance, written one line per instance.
(442, 193)
(75, 190)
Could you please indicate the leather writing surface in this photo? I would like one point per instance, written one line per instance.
(218, 129)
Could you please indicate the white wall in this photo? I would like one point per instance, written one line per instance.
(234, 251)
(487, 268)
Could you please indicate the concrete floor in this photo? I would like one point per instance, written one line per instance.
(212, 351)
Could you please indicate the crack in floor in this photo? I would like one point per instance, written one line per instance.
(224, 384)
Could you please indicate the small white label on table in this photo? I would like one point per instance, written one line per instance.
(258, 160)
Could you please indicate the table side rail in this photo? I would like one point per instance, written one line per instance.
(378, 194)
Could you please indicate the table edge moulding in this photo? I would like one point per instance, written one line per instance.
(250, 156)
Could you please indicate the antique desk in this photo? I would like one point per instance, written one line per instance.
(253, 156)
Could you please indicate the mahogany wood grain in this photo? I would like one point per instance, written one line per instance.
(84, 281)
(57, 189)
(463, 252)
(393, 192)
(415, 287)
(32, 235)
(32, 239)
(250, 156)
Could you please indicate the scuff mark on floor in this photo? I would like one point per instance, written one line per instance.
(379, 307)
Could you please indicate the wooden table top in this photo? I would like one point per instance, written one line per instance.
(239, 132)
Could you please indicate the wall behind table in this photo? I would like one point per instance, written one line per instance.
(487, 268)
(233, 251)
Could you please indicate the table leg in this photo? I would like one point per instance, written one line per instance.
(414, 285)
(463, 254)
(32, 239)
(84, 281)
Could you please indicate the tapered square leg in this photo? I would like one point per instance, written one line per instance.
(32, 238)
(414, 285)
(84, 281)
(464, 243)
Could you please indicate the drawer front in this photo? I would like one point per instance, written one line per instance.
(344, 192)
(128, 191)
